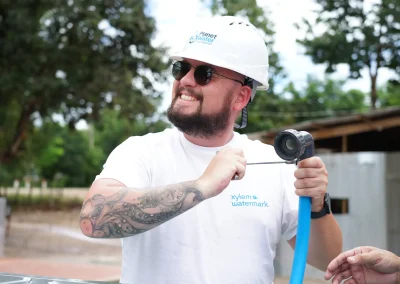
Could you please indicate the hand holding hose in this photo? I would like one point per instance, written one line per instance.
(293, 145)
(312, 181)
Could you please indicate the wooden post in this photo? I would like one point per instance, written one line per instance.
(344, 143)
(344, 206)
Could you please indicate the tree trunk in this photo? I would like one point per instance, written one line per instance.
(19, 136)
(373, 91)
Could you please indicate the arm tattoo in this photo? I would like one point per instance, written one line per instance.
(119, 216)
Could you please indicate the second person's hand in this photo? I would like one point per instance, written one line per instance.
(364, 265)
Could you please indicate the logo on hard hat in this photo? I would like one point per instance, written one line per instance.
(203, 37)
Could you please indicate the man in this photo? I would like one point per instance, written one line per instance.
(365, 265)
(229, 228)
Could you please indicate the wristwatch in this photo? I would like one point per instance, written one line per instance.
(325, 210)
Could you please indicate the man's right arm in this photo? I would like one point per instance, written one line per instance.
(112, 210)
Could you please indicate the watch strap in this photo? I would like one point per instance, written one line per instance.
(325, 209)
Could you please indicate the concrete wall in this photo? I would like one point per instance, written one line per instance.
(362, 178)
(393, 201)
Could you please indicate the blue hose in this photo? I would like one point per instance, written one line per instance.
(304, 148)
(302, 239)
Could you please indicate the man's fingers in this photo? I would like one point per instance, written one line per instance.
(336, 263)
(307, 173)
(370, 258)
(241, 169)
(242, 160)
(350, 281)
(313, 162)
(341, 276)
(330, 273)
(307, 183)
(342, 258)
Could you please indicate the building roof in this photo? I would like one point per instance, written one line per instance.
(376, 130)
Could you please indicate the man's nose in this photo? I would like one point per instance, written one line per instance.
(188, 79)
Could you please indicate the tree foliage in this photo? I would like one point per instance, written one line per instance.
(74, 58)
(72, 158)
(112, 129)
(321, 99)
(318, 99)
(357, 36)
(389, 95)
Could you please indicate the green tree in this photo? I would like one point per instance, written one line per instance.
(113, 128)
(74, 58)
(44, 148)
(62, 156)
(320, 99)
(81, 161)
(356, 36)
(389, 95)
(72, 158)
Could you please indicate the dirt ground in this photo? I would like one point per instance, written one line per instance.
(56, 236)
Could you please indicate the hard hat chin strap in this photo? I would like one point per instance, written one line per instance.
(243, 120)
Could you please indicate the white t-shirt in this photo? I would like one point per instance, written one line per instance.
(230, 238)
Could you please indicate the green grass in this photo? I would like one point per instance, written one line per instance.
(42, 202)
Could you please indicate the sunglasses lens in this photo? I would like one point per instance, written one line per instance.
(180, 69)
(203, 75)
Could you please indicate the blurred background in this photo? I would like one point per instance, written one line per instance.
(78, 77)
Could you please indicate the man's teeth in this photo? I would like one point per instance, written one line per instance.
(188, 98)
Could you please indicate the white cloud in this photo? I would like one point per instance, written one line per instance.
(176, 17)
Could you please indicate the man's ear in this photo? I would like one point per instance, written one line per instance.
(242, 98)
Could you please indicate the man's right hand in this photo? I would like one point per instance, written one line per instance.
(226, 165)
(365, 265)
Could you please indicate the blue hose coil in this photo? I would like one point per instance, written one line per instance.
(302, 240)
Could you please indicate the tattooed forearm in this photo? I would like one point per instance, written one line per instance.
(168, 199)
(129, 212)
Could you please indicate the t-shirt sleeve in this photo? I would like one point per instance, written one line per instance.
(127, 164)
(290, 206)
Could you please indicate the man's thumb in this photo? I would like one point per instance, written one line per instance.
(364, 258)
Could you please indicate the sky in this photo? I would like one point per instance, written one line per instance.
(175, 18)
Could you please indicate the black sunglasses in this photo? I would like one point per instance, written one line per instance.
(202, 73)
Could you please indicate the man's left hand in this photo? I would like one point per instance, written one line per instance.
(312, 181)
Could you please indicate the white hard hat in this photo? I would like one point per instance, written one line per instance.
(231, 43)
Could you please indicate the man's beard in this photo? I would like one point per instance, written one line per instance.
(198, 124)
